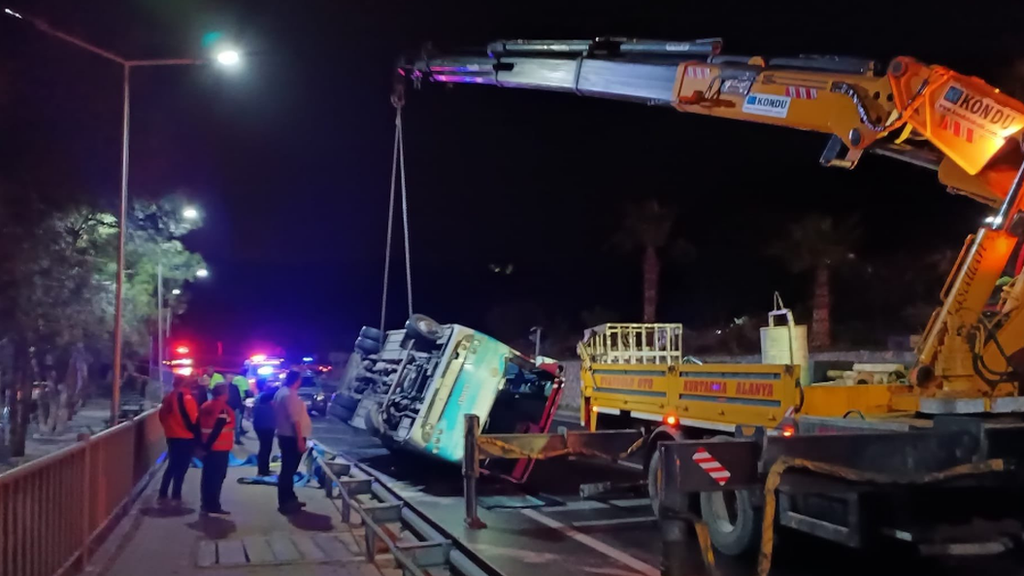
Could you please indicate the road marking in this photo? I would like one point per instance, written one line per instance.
(609, 551)
(630, 502)
(578, 505)
(615, 521)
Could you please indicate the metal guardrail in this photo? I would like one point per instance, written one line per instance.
(52, 510)
(346, 482)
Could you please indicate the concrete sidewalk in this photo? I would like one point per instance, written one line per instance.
(164, 540)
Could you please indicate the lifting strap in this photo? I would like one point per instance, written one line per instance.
(397, 166)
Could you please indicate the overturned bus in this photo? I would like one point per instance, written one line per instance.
(415, 385)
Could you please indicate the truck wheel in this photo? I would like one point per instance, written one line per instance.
(423, 328)
(367, 346)
(654, 480)
(733, 522)
(371, 333)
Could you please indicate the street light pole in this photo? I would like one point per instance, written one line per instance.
(122, 225)
(159, 323)
(227, 58)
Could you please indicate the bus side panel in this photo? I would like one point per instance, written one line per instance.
(474, 392)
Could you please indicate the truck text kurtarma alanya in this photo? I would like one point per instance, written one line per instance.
(859, 460)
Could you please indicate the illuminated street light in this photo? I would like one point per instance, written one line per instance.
(228, 57)
(176, 292)
(202, 273)
(190, 213)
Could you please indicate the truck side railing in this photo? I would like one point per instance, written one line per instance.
(54, 510)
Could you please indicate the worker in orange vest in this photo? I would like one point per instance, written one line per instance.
(217, 425)
(178, 415)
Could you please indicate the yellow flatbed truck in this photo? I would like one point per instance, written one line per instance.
(635, 376)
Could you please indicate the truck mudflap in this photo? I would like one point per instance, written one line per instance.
(961, 452)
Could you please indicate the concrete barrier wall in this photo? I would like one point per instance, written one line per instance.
(570, 400)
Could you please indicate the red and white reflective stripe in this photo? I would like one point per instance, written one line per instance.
(714, 469)
(801, 92)
(957, 129)
(698, 72)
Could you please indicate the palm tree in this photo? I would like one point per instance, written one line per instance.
(817, 243)
(647, 226)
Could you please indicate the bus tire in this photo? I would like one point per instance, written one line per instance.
(367, 346)
(371, 333)
(423, 328)
(733, 533)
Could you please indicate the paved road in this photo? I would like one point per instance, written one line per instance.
(563, 533)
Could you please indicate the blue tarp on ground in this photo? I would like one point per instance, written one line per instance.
(233, 461)
(301, 479)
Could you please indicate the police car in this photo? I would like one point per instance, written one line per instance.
(263, 367)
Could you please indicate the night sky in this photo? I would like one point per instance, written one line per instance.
(290, 156)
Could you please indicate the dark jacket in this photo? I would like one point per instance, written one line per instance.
(235, 397)
(263, 413)
(200, 393)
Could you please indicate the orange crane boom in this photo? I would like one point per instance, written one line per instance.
(929, 115)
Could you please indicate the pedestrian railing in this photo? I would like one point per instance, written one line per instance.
(53, 510)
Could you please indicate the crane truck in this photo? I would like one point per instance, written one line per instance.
(743, 448)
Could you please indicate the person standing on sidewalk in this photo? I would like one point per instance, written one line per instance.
(264, 422)
(293, 429)
(236, 400)
(178, 416)
(212, 377)
(217, 424)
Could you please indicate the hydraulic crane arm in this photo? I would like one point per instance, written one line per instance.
(927, 115)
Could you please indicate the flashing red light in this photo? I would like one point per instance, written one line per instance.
(788, 430)
(258, 357)
(182, 350)
(671, 420)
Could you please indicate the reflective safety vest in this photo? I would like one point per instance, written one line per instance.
(176, 407)
(212, 412)
(242, 383)
(217, 378)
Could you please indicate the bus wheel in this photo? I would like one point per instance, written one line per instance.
(734, 523)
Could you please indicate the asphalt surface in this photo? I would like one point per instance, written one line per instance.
(550, 530)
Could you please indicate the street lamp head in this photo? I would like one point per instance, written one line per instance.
(10, 12)
(228, 57)
(202, 273)
(190, 213)
(176, 292)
